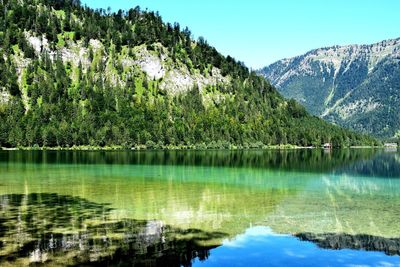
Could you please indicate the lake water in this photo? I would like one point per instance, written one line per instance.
(204, 208)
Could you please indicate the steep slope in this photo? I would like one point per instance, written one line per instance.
(74, 76)
(355, 86)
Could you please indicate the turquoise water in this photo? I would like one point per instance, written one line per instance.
(218, 208)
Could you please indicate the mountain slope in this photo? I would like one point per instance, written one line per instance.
(355, 86)
(74, 76)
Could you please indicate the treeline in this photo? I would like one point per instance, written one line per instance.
(49, 108)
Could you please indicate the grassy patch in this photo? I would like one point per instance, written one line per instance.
(16, 49)
(61, 40)
(60, 14)
(139, 89)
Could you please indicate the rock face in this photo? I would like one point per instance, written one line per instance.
(156, 65)
(356, 86)
(174, 77)
(4, 96)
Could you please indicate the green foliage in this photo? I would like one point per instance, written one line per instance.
(92, 111)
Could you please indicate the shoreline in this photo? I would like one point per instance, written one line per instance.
(177, 148)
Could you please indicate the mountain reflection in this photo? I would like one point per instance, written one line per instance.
(390, 246)
(64, 230)
(385, 164)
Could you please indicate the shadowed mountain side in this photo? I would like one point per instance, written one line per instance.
(52, 229)
(390, 246)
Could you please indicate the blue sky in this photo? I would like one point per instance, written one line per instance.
(260, 32)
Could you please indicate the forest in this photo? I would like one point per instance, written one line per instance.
(49, 101)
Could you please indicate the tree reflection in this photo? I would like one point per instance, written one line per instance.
(64, 230)
(307, 160)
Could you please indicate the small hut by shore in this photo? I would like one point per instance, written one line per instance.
(391, 145)
(327, 146)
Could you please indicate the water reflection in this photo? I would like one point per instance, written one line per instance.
(146, 204)
(307, 160)
(366, 162)
(383, 165)
(53, 230)
(65, 230)
(390, 246)
(260, 246)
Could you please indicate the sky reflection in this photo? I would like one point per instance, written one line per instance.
(260, 246)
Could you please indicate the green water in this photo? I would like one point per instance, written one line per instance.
(102, 201)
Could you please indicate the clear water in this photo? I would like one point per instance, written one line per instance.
(214, 208)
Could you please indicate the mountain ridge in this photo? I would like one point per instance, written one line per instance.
(329, 82)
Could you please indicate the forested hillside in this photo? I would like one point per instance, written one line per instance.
(355, 86)
(73, 76)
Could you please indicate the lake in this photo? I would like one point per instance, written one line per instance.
(200, 208)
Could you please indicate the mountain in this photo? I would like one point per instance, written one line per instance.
(355, 86)
(74, 76)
